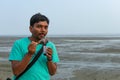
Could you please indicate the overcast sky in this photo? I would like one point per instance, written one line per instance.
(66, 16)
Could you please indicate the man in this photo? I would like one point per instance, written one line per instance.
(25, 49)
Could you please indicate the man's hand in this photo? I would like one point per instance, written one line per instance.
(49, 54)
(32, 48)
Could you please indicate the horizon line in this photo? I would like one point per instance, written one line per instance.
(68, 35)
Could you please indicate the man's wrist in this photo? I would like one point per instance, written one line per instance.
(29, 54)
(49, 59)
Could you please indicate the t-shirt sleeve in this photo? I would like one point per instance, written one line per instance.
(15, 53)
(55, 57)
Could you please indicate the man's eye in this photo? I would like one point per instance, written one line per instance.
(46, 27)
(38, 26)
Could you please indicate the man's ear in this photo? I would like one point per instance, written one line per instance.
(30, 28)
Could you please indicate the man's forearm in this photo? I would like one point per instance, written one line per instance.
(52, 67)
(19, 67)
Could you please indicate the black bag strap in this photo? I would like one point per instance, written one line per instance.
(29, 65)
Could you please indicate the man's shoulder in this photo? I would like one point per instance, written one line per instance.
(21, 40)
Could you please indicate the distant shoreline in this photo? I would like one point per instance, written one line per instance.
(70, 35)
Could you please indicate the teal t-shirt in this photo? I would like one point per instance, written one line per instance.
(39, 70)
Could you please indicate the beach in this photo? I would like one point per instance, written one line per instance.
(5, 66)
(72, 71)
(81, 58)
(5, 70)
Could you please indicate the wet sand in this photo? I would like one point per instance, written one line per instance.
(5, 70)
(5, 66)
(83, 74)
(94, 74)
(89, 73)
(70, 72)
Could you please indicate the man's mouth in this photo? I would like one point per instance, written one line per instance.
(42, 34)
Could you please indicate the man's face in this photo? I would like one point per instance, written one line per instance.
(39, 30)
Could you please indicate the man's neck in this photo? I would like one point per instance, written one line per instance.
(34, 39)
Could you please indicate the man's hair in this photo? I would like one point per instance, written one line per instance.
(38, 17)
